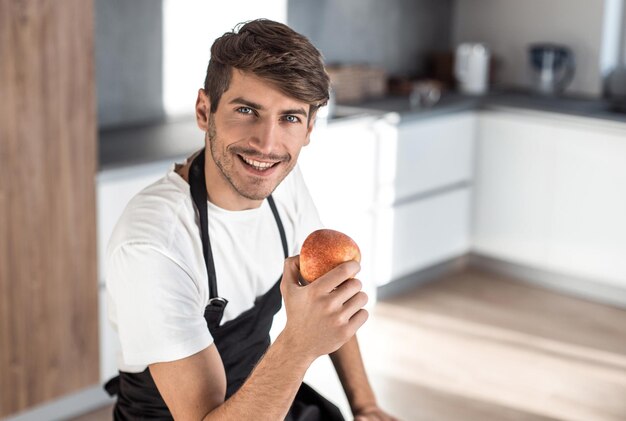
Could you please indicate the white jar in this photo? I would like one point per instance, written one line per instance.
(471, 68)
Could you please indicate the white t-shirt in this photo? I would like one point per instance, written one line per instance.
(156, 278)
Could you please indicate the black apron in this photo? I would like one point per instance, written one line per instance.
(241, 342)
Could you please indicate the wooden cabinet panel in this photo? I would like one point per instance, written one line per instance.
(48, 286)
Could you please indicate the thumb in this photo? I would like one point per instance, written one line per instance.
(291, 272)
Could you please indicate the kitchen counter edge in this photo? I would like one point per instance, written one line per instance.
(120, 148)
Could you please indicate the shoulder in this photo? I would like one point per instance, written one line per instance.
(160, 217)
(154, 213)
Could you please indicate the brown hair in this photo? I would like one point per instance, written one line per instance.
(272, 51)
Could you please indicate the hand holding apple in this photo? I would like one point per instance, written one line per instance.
(325, 314)
(325, 249)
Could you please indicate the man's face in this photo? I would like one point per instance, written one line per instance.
(254, 138)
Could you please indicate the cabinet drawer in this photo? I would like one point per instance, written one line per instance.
(426, 155)
(415, 235)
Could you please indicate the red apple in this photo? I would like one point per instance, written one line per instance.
(325, 249)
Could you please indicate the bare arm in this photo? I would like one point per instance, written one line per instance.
(321, 317)
(194, 387)
(351, 371)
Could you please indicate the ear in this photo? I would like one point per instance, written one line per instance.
(203, 108)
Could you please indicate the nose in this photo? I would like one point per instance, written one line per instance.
(265, 136)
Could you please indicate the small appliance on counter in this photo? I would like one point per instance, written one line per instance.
(471, 68)
(425, 93)
(552, 67)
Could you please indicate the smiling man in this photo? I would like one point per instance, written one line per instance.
(199, 261)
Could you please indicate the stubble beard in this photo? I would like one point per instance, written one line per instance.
(257, 188)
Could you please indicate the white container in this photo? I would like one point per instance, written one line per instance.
(471, 68)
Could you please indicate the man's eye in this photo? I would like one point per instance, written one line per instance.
(244, 110)
(292, 119)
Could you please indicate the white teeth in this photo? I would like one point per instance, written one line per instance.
(258, 165)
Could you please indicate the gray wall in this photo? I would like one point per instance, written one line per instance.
(508, 26)
(396, 34)
(129, 67)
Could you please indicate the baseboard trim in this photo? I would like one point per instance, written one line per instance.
(432, 273)
(578, 287)
(66, 407)
(567, 284)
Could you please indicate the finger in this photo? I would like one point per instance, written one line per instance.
(291, 272)
(347, 290)
(358, 319)
(336, 276)
(354, 304)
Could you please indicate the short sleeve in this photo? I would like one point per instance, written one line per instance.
(156, 305)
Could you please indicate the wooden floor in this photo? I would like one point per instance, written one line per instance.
(476, 346)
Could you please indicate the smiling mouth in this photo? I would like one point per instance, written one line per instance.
(258, 165)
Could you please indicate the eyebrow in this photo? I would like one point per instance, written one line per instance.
(251, 104)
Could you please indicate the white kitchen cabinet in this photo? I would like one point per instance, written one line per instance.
(421, 233)
(424, 154)
(588, 226)
(549, 193)
(513, 188)
(340, 162)
(423, 197)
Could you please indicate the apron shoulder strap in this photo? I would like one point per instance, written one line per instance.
(197, 183)
(283, 237)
